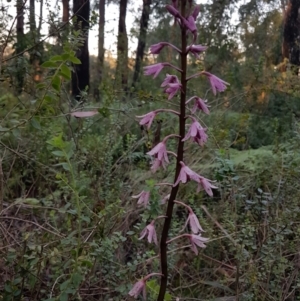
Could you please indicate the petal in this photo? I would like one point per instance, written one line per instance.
(84, 114)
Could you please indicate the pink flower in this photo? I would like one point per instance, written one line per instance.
(194, 222)
(150, 231)
(190, 24)
(197, 132)
(156, 164)
(217, 84)
(170, 79)
(186, 174)
(160, 151)
(199, 104)
(172, 90)
(197, 240)
(147, 119)
(154, 69)
(156, 48)
(195, 12)
(138, 288)
(143, 198)
(173, 11)
(173, 85)
(206, 185)
(196, 50)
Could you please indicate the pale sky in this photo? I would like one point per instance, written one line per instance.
(111, 25)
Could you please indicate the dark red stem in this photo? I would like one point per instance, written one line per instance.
(173, 194)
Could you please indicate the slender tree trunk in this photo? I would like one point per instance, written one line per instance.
(66, 11)
(291, 33)
(101, 50)
(20, 45)
(81, 74)
(141, 41)
(35, 53)
(122, 48)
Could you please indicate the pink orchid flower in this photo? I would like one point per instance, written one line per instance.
(150, 231)
(172, 89)
(217, 84)
(186, 174)
(196, 12)
(160, 151)
(143, 198)
(197, 132)
(194, 222)
(199, 104)
(197, 240)
(170, 79)
(173, 11)
(156, 164)
(206, 185)
(156, 48)
(154, 69)
(147, 119)
(196, 50)
(140, 286)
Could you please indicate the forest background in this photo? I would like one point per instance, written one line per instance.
(69, 227)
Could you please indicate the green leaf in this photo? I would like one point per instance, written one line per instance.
(76, 279)
(56, 58)
(74, 60)
(56, 83)
(49, 64)
(35, 124)
(65, 72)
(58, 153)
(29, 201)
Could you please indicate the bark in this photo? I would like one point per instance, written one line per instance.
(20, 45)
(101, 50)
(291, 33)
(122, 48)
(81, 74)
(141, 40)
(35, 53)
(66, 11)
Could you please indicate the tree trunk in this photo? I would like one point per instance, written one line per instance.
(122, 48)
(291, 33)
(142, 40)
(66, 11)
(101, 50)
(35, 53)
(81, 74)
(20, 46)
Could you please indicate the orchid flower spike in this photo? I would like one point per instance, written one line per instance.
(150, 231)
(143, 198)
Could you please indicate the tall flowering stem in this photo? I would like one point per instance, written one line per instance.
(173, 194)
(183, 174)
